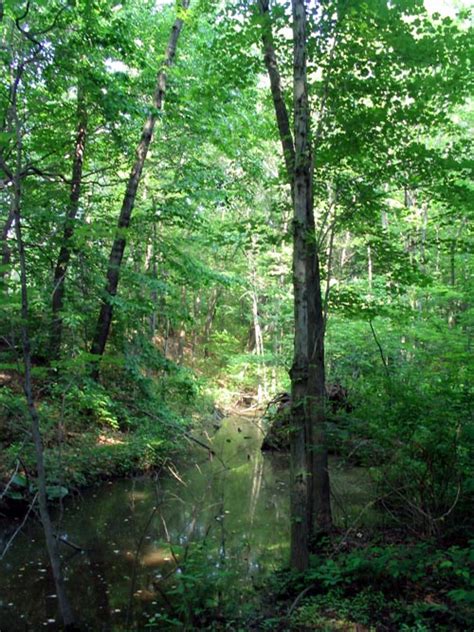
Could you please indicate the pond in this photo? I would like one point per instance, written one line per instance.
(154, 547)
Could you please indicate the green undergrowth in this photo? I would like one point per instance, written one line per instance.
(390, 587)
(129, 422)
(92, 457)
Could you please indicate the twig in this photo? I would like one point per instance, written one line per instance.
(446, 513)
(8, 485)
(179, 429)
(199, 443)
(174, 473)
(64, 540)
(8, 544)
(299, 597)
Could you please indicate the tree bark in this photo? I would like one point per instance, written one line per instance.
(310, 492)
(281, 112)
(306, 253)
(65, 250)
(118, 247)
(211, 314)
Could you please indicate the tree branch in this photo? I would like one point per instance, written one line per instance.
(384, 361)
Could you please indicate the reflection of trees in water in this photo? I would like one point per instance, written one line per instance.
(232, 512)
(221, 504)
(100, 591)
(256, 485)
(239, 512)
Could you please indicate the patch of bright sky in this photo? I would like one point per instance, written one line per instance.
(443, 7)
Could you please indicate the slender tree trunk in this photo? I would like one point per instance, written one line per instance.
(424, 227)
(118, 247)
(65, 250)
(262, 390)
(259, 348)
(452, 263)
(152, 268)
(369, 268)
(329, 265)
(182, 327)
(438, 253)
(281, 112)
(7, 125)
(211, 314)
(51, 543)
(196, 312)
(154, 299)
(256, 325)
(166, 338)
(6, 252)
(345, 247)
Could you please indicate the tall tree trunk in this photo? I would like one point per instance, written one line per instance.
(118, 247)
(211, 314)
(65, 250)
(51, 543)
(310, 492)
(301, 427)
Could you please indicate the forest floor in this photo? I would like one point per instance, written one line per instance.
(388, 582)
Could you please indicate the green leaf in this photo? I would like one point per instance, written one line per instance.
(57, 491)
(20, 480)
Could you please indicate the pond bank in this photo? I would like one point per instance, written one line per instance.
(79, 460)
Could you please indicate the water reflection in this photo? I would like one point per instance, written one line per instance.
(139, 535)
(210, 526)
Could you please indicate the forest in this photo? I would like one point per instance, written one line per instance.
(237, 328)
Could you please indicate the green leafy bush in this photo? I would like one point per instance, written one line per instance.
(415, 585)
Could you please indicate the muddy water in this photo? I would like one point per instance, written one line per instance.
(151, 546)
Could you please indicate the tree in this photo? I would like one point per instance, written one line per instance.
(29, 54)
(116, 254)
(60, 270)
(310, 493)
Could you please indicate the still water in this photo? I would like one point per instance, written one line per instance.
(154, 546)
